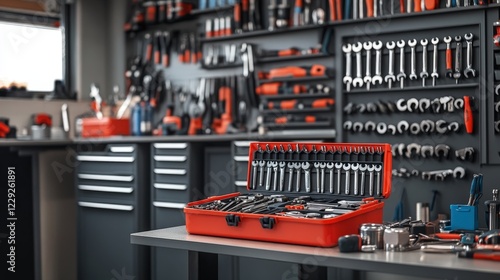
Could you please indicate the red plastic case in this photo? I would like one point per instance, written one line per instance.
(323, 232)
(105, 127)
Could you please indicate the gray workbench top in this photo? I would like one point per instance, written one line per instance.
(413, 263)
(9, 142)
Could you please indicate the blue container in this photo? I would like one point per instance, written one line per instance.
(463, 217)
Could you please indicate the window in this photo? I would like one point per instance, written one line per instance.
(30, 55)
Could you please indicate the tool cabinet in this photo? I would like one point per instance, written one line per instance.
(174, 182)
(112, 194)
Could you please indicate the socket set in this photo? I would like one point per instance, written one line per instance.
(300, 190)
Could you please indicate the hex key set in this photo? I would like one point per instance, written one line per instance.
(300, 190)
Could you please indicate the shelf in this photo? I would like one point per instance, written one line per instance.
(280, 112)
(396, 88)
(291, 58)
(296, 125)
(268, 60)
(197, 12)
(295, 96)
(296, 80)
(260, 33)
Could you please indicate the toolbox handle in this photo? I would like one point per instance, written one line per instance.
(267, 222)
(232, 220)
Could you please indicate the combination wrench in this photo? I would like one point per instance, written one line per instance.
(377, 46)
(358, 81)
(390, 78)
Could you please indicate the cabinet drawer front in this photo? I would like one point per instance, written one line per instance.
(170, 162)
(108, 189)
(170, 179)
(171, 149)
(106, 206)
(92, 167)
(172, 195)
(170, 171)
(96, 158)
(104, 177)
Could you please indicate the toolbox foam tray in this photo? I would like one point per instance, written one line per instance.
(323, 232)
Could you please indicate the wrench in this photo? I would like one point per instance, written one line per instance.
(268, 175)
(322, 166)
(358, 81)
(371, 168)
(282, 175)
(316, 166)
(402, 75)
(307, 172)
(377, 46)
(347, 168)
(449, 59)
(338, 167)
(378, 168)
(424, 74)
(348, 60)
(297, 167)
(254, 174)
(275, 171)
(458, 59)
(362, 167)
(368, 77)
(355, 168)
(329, 166)
(413, 75)
(261, 173)
(435, 74)
(469, 70)
(291, 167)
(390, 78)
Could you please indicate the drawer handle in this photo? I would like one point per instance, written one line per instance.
(241, 158)
(242, 143)
(106, 177)
(105, 189)
(170, 145)
(170, 187)
(171, 205)
(240, 183)
(119, 207)
(171, 171)
(105, 158)
(171, 158)
(121, 149)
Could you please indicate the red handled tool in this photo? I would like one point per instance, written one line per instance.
(296, 104)
(468, 117)
(297, 71)
(278, 88)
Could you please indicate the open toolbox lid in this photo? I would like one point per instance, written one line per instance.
(344, 170)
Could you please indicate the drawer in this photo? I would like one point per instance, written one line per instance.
(240, 171)
(172, 149)
(170, 179)
(101, 167)
(93, 181)
(170, 162)
(167, 214)
(171, 192)
(240, 148)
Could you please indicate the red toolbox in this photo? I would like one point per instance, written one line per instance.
(300, 193)
(105, 127)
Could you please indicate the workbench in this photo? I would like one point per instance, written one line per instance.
(414, 263)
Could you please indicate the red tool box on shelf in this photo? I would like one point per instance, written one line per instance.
(105, 127)
(300, 193)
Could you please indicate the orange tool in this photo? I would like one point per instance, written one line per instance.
(307, 119)
(480, 255)
(369, 8)
(338, 7)
(296, 71)
(195, 125)
(221, 124)
(149, 47)
(418, 5)
(237, 16)
(402, 6)
(157, 48)
(333, 14)
(449, 58)
(294, 103)
(468, 118)
(451, 236)
(431, 4)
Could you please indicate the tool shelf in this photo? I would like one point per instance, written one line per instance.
(396, 88)
(296, 80)
(269, 60)
(295, 96)
(281, 112)
(209, 11)
(261, 33)
(298, 125)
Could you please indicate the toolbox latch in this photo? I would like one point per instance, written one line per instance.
(232, 220)
(267, 222)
